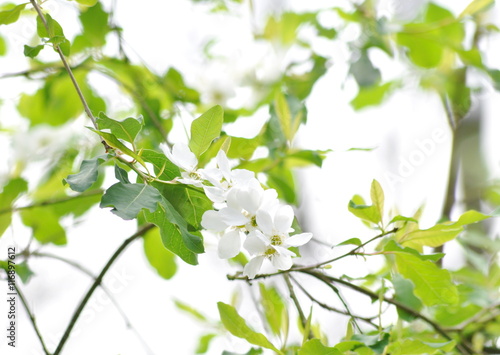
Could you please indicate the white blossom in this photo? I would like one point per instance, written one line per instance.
(182, 156)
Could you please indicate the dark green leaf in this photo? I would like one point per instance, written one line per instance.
(174, 234)
(87, 176)
(363, 71)
(237, 326)
(129, 199)
(121, 175)
(404, 294)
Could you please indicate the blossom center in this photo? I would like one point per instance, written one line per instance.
(194, 175)
(276, 240)
(270, 252)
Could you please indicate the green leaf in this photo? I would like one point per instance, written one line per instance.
(12, 15)
(237, 326)
(274, 308)
(113, 142)
(402, 219)
(87, 2)
(404, 294)
(315, 347)
(284, 116)
(174, 82)
(359, 209)
(121, 175)
(3, 46)
(415, 346)
(377, 196)
(44, 222)
(129, 199)
(87, 176)
(204, 343)
(476, 6)
(95, 25)
(126, 129)
(432, 237)
(371, 96)
(190, 310)
(32, 52)
(205, 129)
(160, 258)
(432, 285)
(174, 233)
(352, 241)
(363, 71)
(9, 194)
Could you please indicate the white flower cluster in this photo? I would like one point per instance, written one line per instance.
(245, 214)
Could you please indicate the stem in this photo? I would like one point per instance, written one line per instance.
(54, 201)
(97, 282)
(32, 319)
(352, 252)
(293, 296)
(330, 308)
(87, 272)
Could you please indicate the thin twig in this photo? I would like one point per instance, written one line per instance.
(296, 302)
(89, 273)
(330, 308)
(53, 201)
(96, 283)
(32, 319)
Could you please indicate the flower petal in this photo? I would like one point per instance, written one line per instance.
(250, 199)
(211, 220)
(265, 222)
(298, 239)
(254, 243)
(233, 217)
(223, 164)
(214, 194)
(283, 219)
(281, 262)
(229, 245)
(253, 266)
(183, 157)
(233, 199)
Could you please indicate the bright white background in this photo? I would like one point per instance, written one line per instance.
(171, 33)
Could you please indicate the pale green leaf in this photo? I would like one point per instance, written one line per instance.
(274, 308)
(476, 6)
(205, 129)
(87, 2)
(204, 343)
(12, 15)
(377, 196)
(126, 129)
(114, 142)
(414, 346)
(9, 194)
(237, 326)
(284, 115)
(432, 285)
(190, 310)
(160, 258)
(351, 241)
(44, 223)
(315, 347)
(368, 213)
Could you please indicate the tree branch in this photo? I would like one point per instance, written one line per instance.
(32, 319)
(97, 282)
(54, 201)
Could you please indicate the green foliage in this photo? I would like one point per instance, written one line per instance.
(127, 129)
(158, 256)
(11, 191)
(314, 347)
(174, 233)
(274, 309)
(87, 176)
(94, 21)
(237, 326)
(128, 200)
(11, 15)
(52, 32)
(32, 52)
(205, 129)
